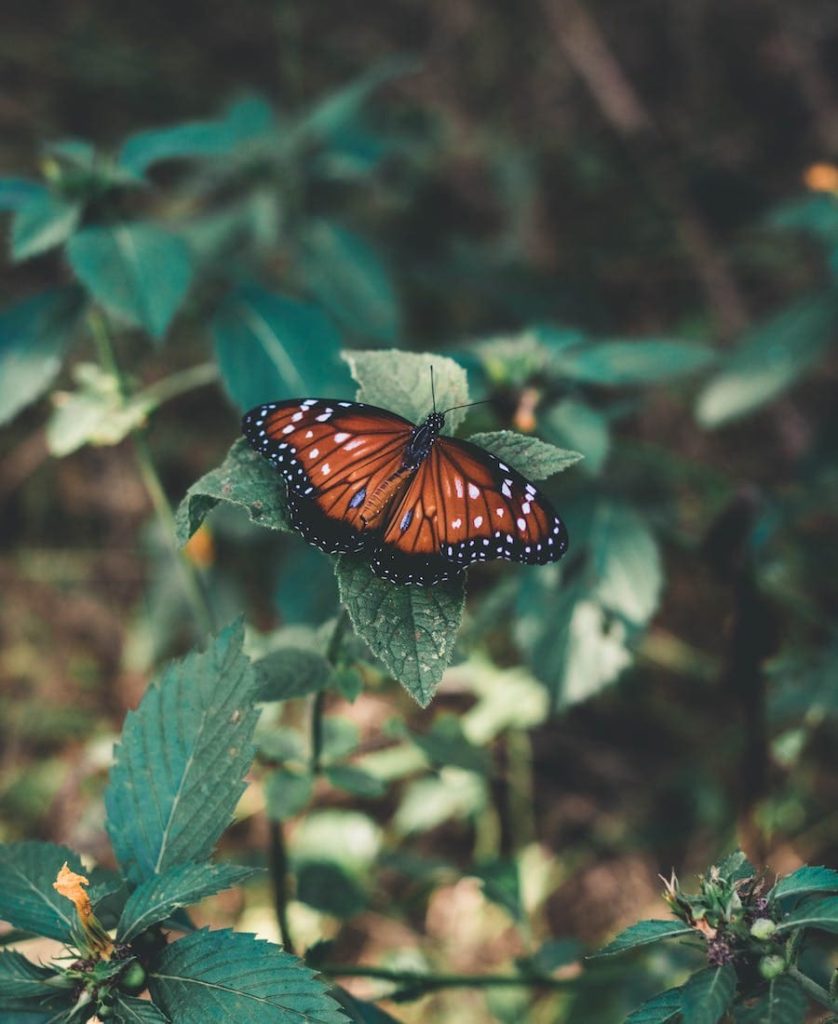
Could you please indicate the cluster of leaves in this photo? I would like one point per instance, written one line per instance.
(752, 936)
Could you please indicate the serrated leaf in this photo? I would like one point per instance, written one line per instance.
(181, 763)
(41, 224)
(355, 780)
(574, 424)
(22, 979)
(128, 1010)
(401, 381)
(642, 934)
(806, 880)
(34, 336)
(783, 1003)
(216, 977)
(413, 630)
(136, 271)
(708, 994)
(663, 1008)
(190, 139)
(292, 672)
(534, 458)
(27, 898)
(769, 359)
(155, 899)
(348, 278)
(270, 346)
(287, 792)
(621, 363)
(820, 914)
(245, 480)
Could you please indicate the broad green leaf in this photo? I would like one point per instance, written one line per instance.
(770, 358)
(136, 271)
(95, 413)
(663, 1008)
(181, 763)
(330, 888)
(34, 336)
(222, 976)
(806, 880)
(451, 794)
(269, 346)
(292, 672)
(56, 1010)
(27, 898)
(22, 979)
(625, 563)
(620, 363)
(348, 838)
(245, 480)
(783, 1003)
(155, 899)
(642, 934)
(575, 425)
(534, 458)
(446, 744)
(287, 792)
(411, 629)
(41, 224)
(248, 119)
(502, 885)
(708, 994)
(820, 914)
(348, 278)
(17, 192)
(401, 381)
(355, 780)
(128, 1010)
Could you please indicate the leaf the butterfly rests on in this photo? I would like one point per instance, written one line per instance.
(421, 505)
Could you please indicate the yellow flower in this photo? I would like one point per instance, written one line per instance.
(92, 937)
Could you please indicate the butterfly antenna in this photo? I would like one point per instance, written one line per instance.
(468, 405)
(433, 396)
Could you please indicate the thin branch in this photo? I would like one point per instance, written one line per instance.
(278, 867)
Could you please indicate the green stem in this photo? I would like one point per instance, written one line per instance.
(816, 991)
(435, 981)
(278, 864)
(318, 707)
(179, 383)
(151, 478)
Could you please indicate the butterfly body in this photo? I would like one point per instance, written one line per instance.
(423, 505)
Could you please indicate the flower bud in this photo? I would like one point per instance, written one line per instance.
(772, 966)
(763, 928)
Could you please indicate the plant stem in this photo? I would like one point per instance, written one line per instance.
(434, 981)
(151, 478)
(319, 705)
(816, 991)
(278, 864)
(179, 383)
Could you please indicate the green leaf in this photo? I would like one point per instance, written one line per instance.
(621, 363)
(248, 119)
(222, 976)
(331, 888)
(27, 898)
(413, 630)
(820, 914)
(292, 672)
(21, 979)
(446, 744)
(735, 866)
(783, 1003)
(355, 780)
(626, 564)
(41, 224)
(708, 994)
(805, 880)
(155, 899)
(575, 425)
(502, 885)
(128, 1010)
(269, 346)
(770, 359)
(245, 480)
(401, 381)
(534, 458)
(17, 192)
(34, 336)
(95, 413)
(660, 1009)
(348, 278)
(57, 1010)
(642, 934)
(181, 763)
(136, 271)
(287, 792)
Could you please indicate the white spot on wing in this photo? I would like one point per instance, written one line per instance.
(328, 469)
(458, 486)
(341, 437)
(456, 523)
(473, 492)
(354, 444)
(521, 524)
(297, 417)
(288, 430)
(314, 453)
(478, 521)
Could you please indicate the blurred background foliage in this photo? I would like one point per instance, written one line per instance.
(622, 220)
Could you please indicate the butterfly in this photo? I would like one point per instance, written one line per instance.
(422, 505)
